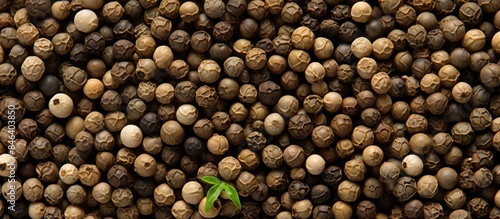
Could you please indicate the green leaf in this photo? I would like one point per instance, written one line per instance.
(212, 195)
(232, 194)
(211, 180)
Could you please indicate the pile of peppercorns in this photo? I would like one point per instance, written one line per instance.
(309, 108)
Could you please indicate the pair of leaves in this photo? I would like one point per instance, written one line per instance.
(214, 192)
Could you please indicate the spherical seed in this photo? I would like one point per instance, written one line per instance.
(61, 105)
(86, 21)
(315, 164)
(131, 136)
(412, 165)
(373, 155)
(361, 12)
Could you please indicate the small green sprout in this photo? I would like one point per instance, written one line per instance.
(214, 192)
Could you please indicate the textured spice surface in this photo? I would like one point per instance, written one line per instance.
(310, 109)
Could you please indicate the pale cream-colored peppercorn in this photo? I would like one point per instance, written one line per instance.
(61, 105)
(93, 88)
(68, 173)
(86, 21)
(315, 164)
(192, 192)
(9, 164)
(186, 114)
(131, 136)
(274, 124)
(412, 165)
(36, 210)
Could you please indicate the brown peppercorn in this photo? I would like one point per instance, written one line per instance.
(355, 170)
(209, 71)
(420, 143)
(480, 118)
(172, 133)
(105, 160)
(293, 156)
(291, 13)
(85, 106)
(118, 176)
(344, 148)
(74, 78)
(246, 183)
(479, 207)
(218, 144)
(414, 209)
(372, 155)
(298, 60)
(322, 136)
(33, 68)
(249, 159)
(269, 93)
(366, 209)
(229, 168)
(176, 178)
(483, 177)
(32, 189)
(462, 133)
(341, 125)
(341, 209)
(362, 136)
(427, 186)
(300, 126)
(27, 34)
(382, 48)
(287, 106)
(349, 191)
(453, 28)
(405, 15)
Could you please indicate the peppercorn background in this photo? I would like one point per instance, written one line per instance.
(310, 109)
